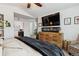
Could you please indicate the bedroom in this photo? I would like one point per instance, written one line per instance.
(18, 12)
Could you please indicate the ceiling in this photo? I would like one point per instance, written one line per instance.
(47, 8)
(22, 16)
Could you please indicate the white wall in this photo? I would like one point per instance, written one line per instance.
(8, 12)
(8, 15)
(17, 26)
(70, 31)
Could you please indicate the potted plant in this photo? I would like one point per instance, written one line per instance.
(7, 24)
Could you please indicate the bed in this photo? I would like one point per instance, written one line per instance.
(42, 47)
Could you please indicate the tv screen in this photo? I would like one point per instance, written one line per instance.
(51, 20)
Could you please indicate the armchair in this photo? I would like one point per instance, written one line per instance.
(73, 48)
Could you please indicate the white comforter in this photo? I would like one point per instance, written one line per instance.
(14, 47)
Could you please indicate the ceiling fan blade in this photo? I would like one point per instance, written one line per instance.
(38, 4)
(28, 5)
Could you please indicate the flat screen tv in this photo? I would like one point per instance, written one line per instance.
(51, 20)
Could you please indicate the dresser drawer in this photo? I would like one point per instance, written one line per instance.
(51, 38)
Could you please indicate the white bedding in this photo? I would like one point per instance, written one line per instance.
(14, 47)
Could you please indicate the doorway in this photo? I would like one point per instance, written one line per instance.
(27, 24)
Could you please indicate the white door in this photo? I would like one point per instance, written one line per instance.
(28, 28)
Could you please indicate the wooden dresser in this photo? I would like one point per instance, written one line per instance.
(51, 37)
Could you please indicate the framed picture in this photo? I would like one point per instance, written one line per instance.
(1, 20)
(76, 20)
(67, 21)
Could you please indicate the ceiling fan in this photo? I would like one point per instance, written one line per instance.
(38, 4)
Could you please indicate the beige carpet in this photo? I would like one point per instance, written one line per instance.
(66, 54)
